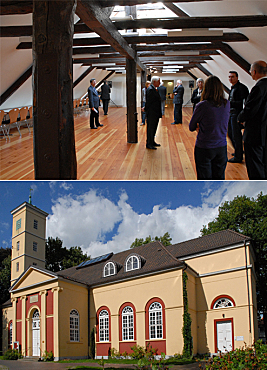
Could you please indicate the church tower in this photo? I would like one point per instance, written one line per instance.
(28, 238)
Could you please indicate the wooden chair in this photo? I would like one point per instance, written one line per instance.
(23, 117)
(13, 116)
(2, 125)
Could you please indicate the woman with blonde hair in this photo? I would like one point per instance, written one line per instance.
(210, 120)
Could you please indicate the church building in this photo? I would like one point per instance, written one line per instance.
(134, 297)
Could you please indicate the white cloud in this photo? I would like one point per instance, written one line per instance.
(66, 185)
(85, 220)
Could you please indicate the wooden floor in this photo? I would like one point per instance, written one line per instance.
(104, 154)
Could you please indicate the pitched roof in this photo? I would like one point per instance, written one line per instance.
(154, 258)
(206, 243)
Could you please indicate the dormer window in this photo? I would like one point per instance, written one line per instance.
(109, 269)
(133, 263)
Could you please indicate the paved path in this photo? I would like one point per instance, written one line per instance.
(27, 365)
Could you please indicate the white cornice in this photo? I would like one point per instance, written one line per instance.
(196, 255)
(27, 232)
(225, 271)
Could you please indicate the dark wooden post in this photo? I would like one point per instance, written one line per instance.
(131, 101)
(54, 142)
(143, 79)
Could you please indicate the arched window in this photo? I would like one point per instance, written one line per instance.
(74, 326)
(109, 269)
(103, 326)
(132, 263)
(127, 317)
(10, 333)
(155, 321)
(223, 303)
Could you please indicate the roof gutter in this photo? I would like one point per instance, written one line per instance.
(249, 313)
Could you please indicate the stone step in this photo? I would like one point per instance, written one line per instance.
(30, 359)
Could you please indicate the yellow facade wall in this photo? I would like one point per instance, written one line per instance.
(139, 292)
(72, 296)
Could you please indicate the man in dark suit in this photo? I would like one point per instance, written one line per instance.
(153, 112)
(197, 92)
(162, 93)
(254, 117)
(237, 97)
(105, 96)
(94, 103)
(178, 92)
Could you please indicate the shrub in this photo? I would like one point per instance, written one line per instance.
(140, 352)
(254, 357)
(12, 354)
(48, 356)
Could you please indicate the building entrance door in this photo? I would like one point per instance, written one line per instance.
(224, 336)
(36, 334)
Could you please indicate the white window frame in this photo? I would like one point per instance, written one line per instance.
(223, 302)
(18, 245)
(131, 263)
(127, 323)
(103, 326)
(10, 333)
(74, 326)
(107, 269)
(155, 314)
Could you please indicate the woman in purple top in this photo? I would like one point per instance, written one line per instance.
(210, 120)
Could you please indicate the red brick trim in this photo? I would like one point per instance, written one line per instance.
(97, 322)
(147, 316)
(215, 332)
(120, 318)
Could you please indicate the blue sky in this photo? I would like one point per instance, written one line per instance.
(103, 216)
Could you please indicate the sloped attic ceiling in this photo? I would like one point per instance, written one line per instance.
(15, 62)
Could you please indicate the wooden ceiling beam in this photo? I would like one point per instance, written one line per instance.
(175, 9)
(195, 22)
(207, 73)
(82, 76)
(14, 87)
(235, 57)
(15, 7)
(94, 17)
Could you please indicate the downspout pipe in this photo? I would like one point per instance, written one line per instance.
(248, 290)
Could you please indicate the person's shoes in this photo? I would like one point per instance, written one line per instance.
(234, 160)
(105, 114)
(94, 127)
(173, 123)
(100, 125)
(142, 124)
(156, 144)
(150, 147)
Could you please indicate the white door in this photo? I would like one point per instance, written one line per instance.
(224, 336)
(36, 334)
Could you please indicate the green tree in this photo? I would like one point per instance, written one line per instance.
(5, 276)
(165, 240)
(60, 258)
(248, 216)
(74, 257)
(54, 254)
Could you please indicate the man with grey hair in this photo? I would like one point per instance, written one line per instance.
(162, 93)
(197, 92)
(254, 118)
(153, 112)
(178, 92)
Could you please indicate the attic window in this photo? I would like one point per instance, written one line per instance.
(223, 303)
(109, 269)
(133, 263)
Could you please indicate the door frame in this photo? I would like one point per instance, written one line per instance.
(216, 335)
(32, 330)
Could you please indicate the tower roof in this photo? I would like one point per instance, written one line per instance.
(30, 206)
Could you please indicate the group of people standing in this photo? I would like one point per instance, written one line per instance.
(213, 117)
